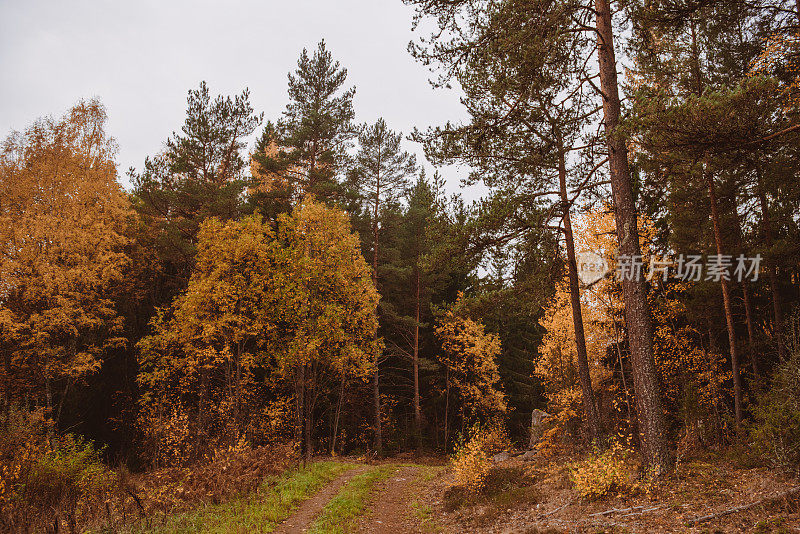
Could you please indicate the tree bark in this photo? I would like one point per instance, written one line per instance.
(589, 404)
(415, 365)
(376, 376)
(751, 343)
(652, 427)
(748, 304)
(336, 418)
(446, 408)
(772, 270)
(308, 426)
(728, 306)
(300, 394)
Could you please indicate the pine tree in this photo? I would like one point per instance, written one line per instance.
(381, 170)
(200, 174)
(464, 22)
(528, 113)
(304, 153)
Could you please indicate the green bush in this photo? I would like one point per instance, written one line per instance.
(776, 427)
(45, 479)
(69, 473)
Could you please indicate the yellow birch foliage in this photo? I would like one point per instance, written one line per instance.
(469, 354)
(62, 219)
(333, 319)
(256, 301)
(557, 364)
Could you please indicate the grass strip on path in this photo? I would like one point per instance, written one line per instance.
(258, 513)
(341, 513)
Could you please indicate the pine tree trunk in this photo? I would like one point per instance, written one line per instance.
(376, 376)
(772, 271)
(728, 306)
(751, 335)
(589, 404)
(652, 426)
(415, 365)
(748, 305)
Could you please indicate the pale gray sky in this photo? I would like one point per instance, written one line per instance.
(141, 57)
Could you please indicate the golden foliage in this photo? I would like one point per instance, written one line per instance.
(469, 355)
(613, 470)
(334, 301)
(62, 219)
(557, 364)
(256, 301)
(472, 461)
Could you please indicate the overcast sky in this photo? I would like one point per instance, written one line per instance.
(141, 57)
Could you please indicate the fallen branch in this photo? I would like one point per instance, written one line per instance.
(743, 507)
(633, 510)
(644, 511)
(556, 510)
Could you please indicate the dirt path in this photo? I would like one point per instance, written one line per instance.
(390, 511)
(304, 517)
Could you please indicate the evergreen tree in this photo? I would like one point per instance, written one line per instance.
(200, 174)
(305, 152)
(528, 114)
(462, 36)
(381, 170)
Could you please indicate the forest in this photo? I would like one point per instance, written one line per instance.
(267, 302)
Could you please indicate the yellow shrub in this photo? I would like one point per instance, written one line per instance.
(603, 473)
(563, 427)
(472, 460)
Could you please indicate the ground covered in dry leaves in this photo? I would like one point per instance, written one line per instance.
(538, 496)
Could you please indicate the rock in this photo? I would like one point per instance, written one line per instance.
(529, 456)
(501, 457)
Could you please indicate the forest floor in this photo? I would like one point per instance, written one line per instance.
(705, 494)
(416, 495)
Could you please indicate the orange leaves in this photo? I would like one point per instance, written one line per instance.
(334, 301)
(470, 356)
(62, 219)
(261, 302)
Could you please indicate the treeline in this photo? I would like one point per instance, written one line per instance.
(322, 289)
(289, 292)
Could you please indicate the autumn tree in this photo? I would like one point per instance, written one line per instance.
(205, 347)
(303, 153)
(381, 171)
(332, 325)
(300, 303)
(62, 222)
(469, 356)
